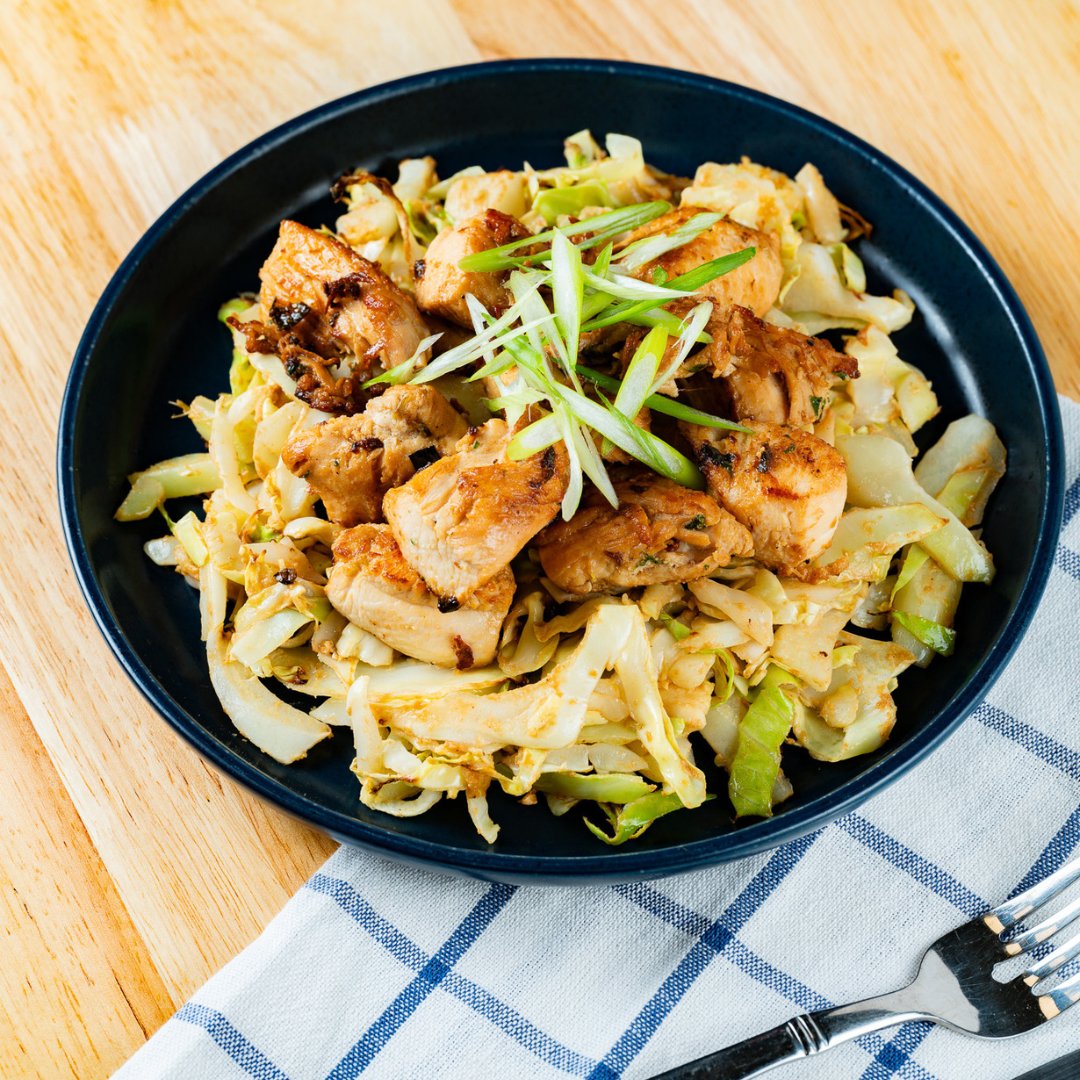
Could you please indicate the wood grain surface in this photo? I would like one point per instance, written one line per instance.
(129, 872)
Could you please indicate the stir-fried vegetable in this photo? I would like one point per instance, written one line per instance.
(633, 818)
(879, 474)
(762, 731)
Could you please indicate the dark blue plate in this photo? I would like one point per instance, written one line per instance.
(153, 339)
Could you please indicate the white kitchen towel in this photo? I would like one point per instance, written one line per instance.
(382, 970)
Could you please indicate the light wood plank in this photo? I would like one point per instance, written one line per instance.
(73, 961)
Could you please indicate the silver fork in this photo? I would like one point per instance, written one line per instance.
(954, 987)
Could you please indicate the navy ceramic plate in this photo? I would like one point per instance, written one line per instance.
(153, 339)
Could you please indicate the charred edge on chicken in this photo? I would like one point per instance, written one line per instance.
(425, 456)
(463, 653)
(709, 455)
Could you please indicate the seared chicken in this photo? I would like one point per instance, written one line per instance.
(335, 300)
(771, 373)
(762, 372)
(441, 285)
(460, 521)
(755, 284)
(661, 532)
(787, 487)
(352, 461)
(374, 587)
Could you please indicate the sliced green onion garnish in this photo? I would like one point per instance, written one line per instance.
(529, 336)
(661, 404)
(631, 289)
(691, 281)
(602, 261)
(659, 317)
(591, 461)
(691, 328)
(604, 226)
(403, 372)
(567, 289)
(627, 436)
(637, 383)
(475, 348)
(575, 483)
(649, 248)
(537, 436)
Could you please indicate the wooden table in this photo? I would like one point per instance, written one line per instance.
(129, 871)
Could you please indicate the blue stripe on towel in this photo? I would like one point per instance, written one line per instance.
(248, 1056)
(426, 979)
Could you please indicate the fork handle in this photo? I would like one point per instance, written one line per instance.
(796, 1039)
(802, 1037)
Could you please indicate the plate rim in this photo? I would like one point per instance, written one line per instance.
(608, 865)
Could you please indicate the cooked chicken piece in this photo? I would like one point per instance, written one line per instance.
(461, 520)
(352, 461)
(787, 487)
(374, 587)
(763, 372)
(335, 300)
(771, 373)
(441, 285)
(755, 284)
(662, 532)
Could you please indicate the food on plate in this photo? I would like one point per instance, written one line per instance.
(545, 481)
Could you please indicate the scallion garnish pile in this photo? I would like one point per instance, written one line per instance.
(559, 295)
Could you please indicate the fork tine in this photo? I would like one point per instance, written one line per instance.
(1056, 1001)
(1049, 964)
(1020, 907)
(1041, 931)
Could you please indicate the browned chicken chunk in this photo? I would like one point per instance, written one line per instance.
(771, 373)
(337, 301)
(374, 587)
(755, 284)
(787, 487)
(441, 284)
(753, 370)
(352, 461)
(661, 532)
(460, 521)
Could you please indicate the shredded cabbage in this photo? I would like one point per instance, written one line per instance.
(189, 474)
(762, 730)
(871, 674)
(818, 290)
(879, 474)
(276, 728)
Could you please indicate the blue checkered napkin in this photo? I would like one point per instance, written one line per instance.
(394, 973)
